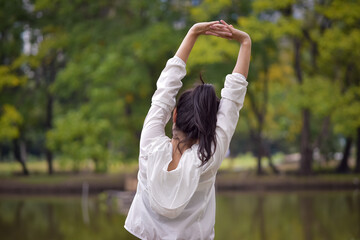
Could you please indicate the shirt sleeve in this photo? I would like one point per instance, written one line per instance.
(232, 100)
(163, 101)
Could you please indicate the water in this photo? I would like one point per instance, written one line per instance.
(248, 216)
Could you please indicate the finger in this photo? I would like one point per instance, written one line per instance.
(212, 23)
(222, 34)
(211, 33)
(220, 27)
(225, 23)
(216, 35)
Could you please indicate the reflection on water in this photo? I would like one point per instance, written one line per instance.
(59, 218)
(248, 216)
(295, 216)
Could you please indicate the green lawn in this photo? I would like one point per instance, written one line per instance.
(247, 162)
(241, 168)
(40, 167)
(64, 174)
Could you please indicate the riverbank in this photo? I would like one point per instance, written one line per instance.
(74, 184)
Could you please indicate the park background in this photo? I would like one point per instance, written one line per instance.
(76, 80)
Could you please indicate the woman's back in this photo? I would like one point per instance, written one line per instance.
(183, 200)
(180, 204)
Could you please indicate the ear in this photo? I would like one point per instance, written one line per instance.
(174, 115)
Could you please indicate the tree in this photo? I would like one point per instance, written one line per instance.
(104, 90)
(264, 55)
(304, 25)
(13, 20)
(337, 47)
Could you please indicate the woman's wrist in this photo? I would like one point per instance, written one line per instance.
(246, 41)
(193, 31)
(243, 38)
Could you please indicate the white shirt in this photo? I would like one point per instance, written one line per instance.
(180, 204)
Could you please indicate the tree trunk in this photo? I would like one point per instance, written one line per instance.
(272, 166)
(267, 153)
(306, 148)
(259, 154)
(323, 134)
(357, 166)
(20, 154)
(344, 166)
(49, 159)
(255, 136)
(259, 150)
(48, 126)
(297, 65)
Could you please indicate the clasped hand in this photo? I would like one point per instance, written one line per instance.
(220, 29)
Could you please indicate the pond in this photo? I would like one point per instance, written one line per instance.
(248, 216)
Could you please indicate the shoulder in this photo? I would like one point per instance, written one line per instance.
(158, 144)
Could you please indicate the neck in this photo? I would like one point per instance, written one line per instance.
(178, 149)
(179, 136)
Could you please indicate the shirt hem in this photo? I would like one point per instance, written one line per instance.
(131, 232)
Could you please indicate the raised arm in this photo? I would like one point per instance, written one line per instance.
(198, 29)
(169, 83)
(233, 93)
(243, 59)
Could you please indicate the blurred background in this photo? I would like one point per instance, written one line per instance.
(76, 80)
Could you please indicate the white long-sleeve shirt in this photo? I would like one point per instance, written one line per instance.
(180, 204)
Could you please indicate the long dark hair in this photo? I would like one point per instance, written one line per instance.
(196, 118)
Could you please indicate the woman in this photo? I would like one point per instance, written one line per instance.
(175, 196)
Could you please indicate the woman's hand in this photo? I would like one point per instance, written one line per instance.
(215, 28)
(223, 30)
(211, 28)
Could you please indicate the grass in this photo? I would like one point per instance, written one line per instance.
(240, 168)
(38, 168)
(9, 168)
(247, 162)
(64, 174)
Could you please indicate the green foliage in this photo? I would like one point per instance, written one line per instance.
(328, 34)
(12, 20)
(346, 11)
(346, 116)
(79, 138)
(263, 5)
(210, 50)
(318, 94)
(207, 9)
(114, 82)
(8, 79)
(339, 48)
(10, 119)
(259, 30)
(282, 118)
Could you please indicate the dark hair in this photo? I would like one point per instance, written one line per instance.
(196, 118)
